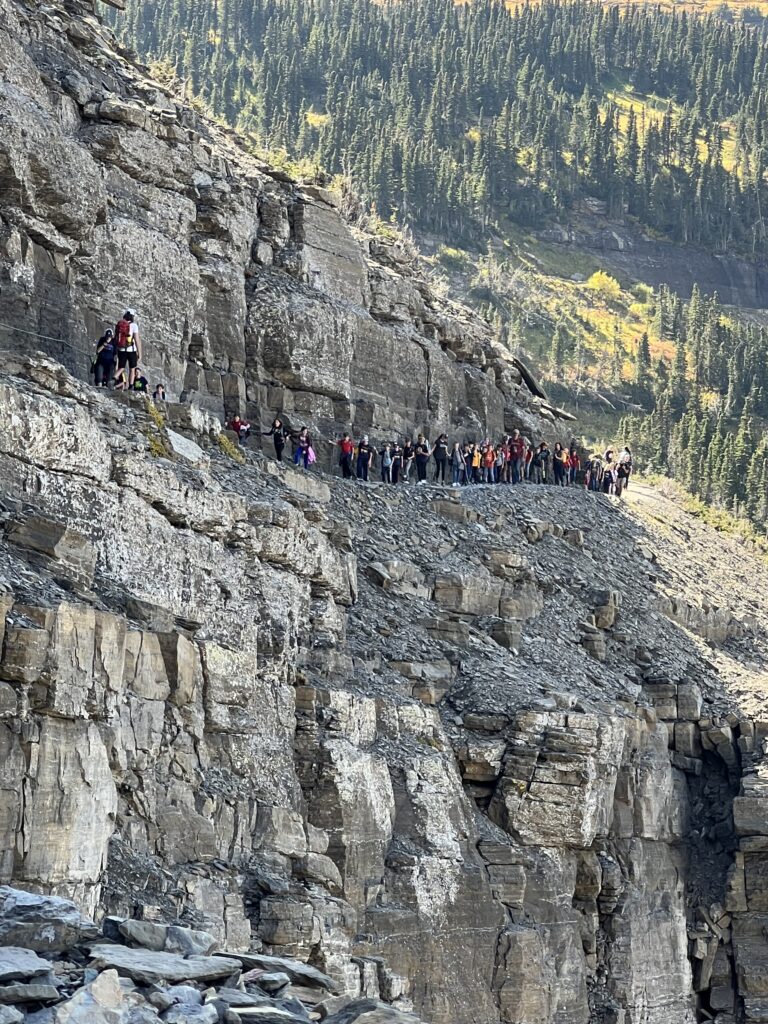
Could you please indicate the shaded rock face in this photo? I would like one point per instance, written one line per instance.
(626, 252)
(252, 293)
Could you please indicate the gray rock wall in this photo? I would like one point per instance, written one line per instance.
(252, 292)
(209, 715)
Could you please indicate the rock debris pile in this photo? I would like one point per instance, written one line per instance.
(57, 967)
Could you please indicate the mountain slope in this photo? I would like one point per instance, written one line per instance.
(460, 117)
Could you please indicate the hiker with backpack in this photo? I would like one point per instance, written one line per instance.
(128, 344)
(625, 467)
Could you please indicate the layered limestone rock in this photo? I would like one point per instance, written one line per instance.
(412, 773)
(252, 293)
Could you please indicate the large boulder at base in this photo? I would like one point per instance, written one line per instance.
(147, 968)
(41, 923)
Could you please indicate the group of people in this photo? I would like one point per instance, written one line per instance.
(512, 460)
(609, 474)
(118, 354)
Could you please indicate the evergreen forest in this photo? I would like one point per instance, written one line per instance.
(458, 117)
(709, 407)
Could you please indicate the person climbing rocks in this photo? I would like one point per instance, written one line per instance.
(440, 455)
(346, 448)
(422, 453)
(140, 382)
(364, 458)
(158, 395)
(278, 432)
(104, 363)
(128, 344)
(304, 453)
(241, 427)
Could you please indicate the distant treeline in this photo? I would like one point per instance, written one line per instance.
(709, 409)
(453, 117)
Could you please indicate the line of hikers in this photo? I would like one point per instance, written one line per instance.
(512, 460)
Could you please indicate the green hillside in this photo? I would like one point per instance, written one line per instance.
(460, 118)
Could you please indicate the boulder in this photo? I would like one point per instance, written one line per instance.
(41, 923)
(186, 1014)
(147, 968)
(370, 1011)
(298, 972)
(36, 991)
(104, 1001)
(18, 964)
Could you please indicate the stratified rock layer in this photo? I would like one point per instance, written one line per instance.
(461, 767)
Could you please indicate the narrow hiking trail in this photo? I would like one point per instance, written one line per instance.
(714, 570)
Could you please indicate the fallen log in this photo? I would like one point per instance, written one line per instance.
(532, 383)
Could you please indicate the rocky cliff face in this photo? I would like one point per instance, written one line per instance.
(252, 293)
(490, 757)
(442, 748)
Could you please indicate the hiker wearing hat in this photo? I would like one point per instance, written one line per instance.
(103, 364)
(128, 344)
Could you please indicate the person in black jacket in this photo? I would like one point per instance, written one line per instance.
(422, 453)
(397, 462)
(364, 458)
(278, 432)
(440, 455)
(104, 363)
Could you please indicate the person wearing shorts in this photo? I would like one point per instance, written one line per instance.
(128, 356)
